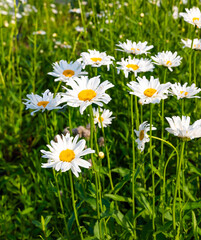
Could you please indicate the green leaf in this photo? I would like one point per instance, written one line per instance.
(192, 205)
(27, 210)
(122, 171)
(118, 198)
(194, 225)
(193, 169)
(47, 219)
(37, 224)
(43, 223)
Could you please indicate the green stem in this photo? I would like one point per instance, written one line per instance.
(179, 161)
(190, 57)
(107, 154)
(152, 173)
(133, 170)
(74, 207)
(161, 160)
(60, 202)
(163, 191)
(94, 169)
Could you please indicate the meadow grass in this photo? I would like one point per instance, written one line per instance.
(128, 194)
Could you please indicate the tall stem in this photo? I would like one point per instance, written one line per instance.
(190, 57)
(179, 162)
(152, 173)
(133, 170)
(74, 207)
(161, 162)
(94, 169)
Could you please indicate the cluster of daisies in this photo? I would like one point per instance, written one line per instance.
(82, 91)
(79, 91)
(151, 91)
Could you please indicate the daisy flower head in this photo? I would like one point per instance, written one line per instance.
(196, 43)
(167, 59)
(142, 135)
(40, 32)
(47, 101)
(182, 91)
(66, 153)
(86, 91)
(104, 116)
(181, 127)
(135, 66)
(192, 16)
(134, 48)
(149, 91)
(96, 59)
(65, 72)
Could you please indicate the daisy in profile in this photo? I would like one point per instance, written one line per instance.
(40, 32)
(105, 117)
(135, 66)
(64, 71)
(192, 16)
(46, 102)
(86, 91)
(149, 91)
(167, 59)
(196, 43)
(182, 91)
(181, 127)
(66, 153)
(134, 48)
(142, 135)
(95, 59)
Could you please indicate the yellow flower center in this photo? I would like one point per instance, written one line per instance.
(67, 155)
(100, 119)
(141, 136)
(86, 95)
(195, 19)
(169, 63)
(186, 93)
(43, 103)
(96, 59)
(149, 92)
(133, 50)
(68, 73)
(133, 66)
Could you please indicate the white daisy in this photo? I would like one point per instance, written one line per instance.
(196, 43)
(79, 29)
(149, 91)
(86, 91)
(105, 117)
(47, 101)
(40, 32)
(66, 153)
(95, 59)
(134, 48)
(167, 59)
(192, 16)
(75, 10)
(182, 128)
(135, 65)
(142, 135)
(184, 91)
(66, 71)
(175, 13)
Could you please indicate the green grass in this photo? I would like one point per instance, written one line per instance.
(31, 196)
